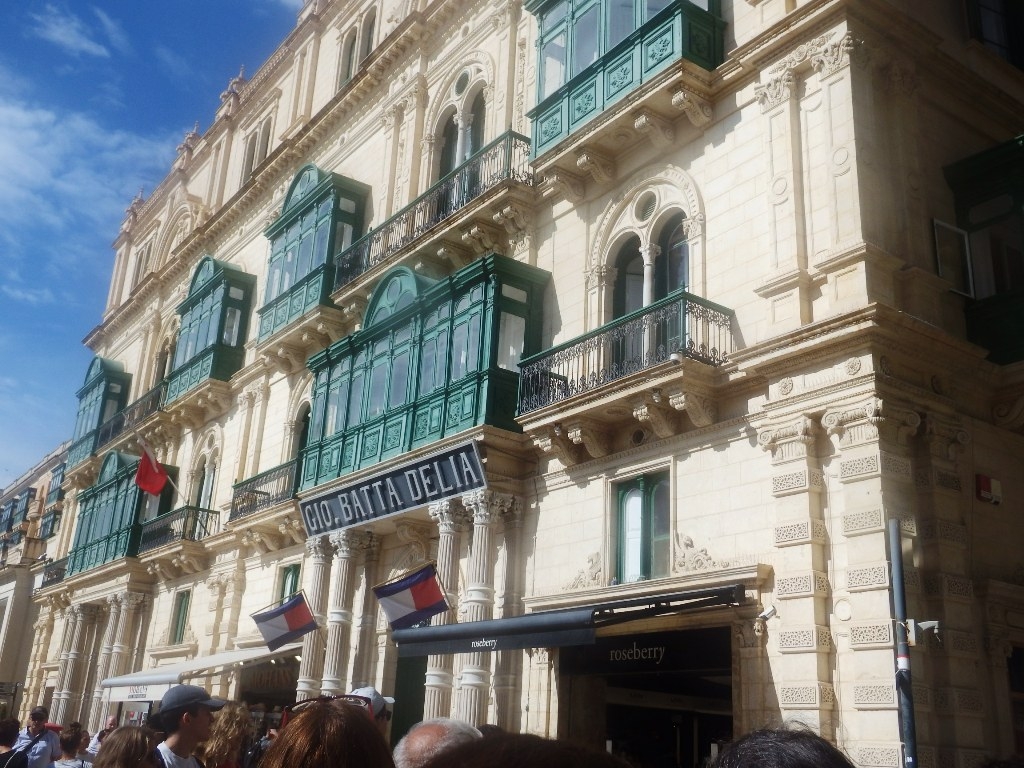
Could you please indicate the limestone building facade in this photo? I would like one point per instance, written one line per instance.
(706, 292)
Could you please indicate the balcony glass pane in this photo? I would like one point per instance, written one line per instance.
(620, 20)
(511, 337)
(555, 16)
(585, 40)
(656, 6)
(553, 56)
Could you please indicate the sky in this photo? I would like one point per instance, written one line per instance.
(94, 99)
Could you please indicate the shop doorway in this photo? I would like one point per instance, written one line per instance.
(660, 700)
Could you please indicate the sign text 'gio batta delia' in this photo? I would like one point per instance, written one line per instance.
(440, 476)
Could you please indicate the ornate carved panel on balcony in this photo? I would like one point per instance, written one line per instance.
(649, 375)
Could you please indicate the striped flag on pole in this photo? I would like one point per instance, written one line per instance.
(286, 622)
(412, 598)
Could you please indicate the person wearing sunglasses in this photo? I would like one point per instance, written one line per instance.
(329, 732)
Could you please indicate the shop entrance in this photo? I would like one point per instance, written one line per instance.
(661, 700)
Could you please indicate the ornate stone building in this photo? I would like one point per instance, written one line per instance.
(660, 310)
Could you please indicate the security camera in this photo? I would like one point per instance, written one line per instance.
(767, 613)
(916, 630)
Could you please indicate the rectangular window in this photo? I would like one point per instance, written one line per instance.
(621, 21)
(585, 39)
(511, 338)
(257, 145)
(289, 580)
(553, 56)
(179, 620)
(643, 507)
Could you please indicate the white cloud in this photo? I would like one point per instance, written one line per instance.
(175, 65)
(114, 31)
(28, 295)
(67, 31)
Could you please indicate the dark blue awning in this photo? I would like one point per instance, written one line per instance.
(551, 629)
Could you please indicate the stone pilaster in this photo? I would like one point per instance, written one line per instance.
(113, 614)
(312, 666)
(507, 664)
(366, 625)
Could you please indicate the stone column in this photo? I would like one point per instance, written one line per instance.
(120, 652)
(64, 665)
(312, 666)
(506, 668)
(451, 523)
(475, 679)
(649, 252)
(103, 663)
(347, 546)
(70, 670)
(43, 631)
(366, 648)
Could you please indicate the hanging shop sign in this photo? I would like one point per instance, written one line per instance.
(439, 476)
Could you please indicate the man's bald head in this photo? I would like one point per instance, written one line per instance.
(430, 738)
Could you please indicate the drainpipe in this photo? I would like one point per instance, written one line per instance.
(904, 690)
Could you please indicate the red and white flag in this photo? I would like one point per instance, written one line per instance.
(285, 623)
(150, 476)
(412, 598)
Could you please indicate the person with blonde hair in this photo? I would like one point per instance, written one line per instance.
(228, 736)
(129, 746)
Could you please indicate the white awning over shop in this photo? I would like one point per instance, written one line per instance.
(151, 684)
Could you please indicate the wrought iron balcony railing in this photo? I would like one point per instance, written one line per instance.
(264, 490)
(680, 324)
(505, 159)
(183, 524)
(54, 572)
(133, 414)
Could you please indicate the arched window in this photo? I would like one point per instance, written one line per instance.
(476, 128)
(348, 57)
(629, 281)
(369, 25)
(449, 146)
(206, 480)
(671, 268)
(673, 265)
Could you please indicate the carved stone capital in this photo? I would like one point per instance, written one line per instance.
(788, 441)
(486, 505)
(945, 439)
(831, 57)
(600, 167)
(869, 421)
(318, 549)
(349, 543)
(448, 517)
(775, 91)
(600, 275)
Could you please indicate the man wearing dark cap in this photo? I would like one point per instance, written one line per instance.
(40, 745)
(186, 713)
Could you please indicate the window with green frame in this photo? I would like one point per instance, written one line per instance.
(576, 33)
(104, 393)
(643, 507)
(216, 311)
(179, 619)
(53, 491)
(290, 580)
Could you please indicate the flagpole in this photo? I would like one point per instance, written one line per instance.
(145, 447)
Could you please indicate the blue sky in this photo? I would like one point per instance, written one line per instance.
(94, 99)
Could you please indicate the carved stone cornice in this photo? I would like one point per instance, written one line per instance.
(600, 167)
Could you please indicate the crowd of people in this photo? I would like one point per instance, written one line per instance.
(195, 730)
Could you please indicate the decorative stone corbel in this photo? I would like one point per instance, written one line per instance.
(653, 408)
(591, 435)
(696, 108)
(455, 255)
(284, 358)
(354, 309)
(703, 411)
(482, 238)
(597, 165)
(554, 440)
(654, 127)
(292, 528)
(512, 218)
(558, 182)
(260, 542)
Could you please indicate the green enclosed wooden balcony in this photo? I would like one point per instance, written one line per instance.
(217, 363)
(49, 523)
(123, 542)
(601, 90)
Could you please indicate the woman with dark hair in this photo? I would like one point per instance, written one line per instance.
(787, 747)
(513, 750)
(9, 728)
(70, 741)
(329, 732)
(128, 747)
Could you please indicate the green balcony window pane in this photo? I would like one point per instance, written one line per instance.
(585, 41)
